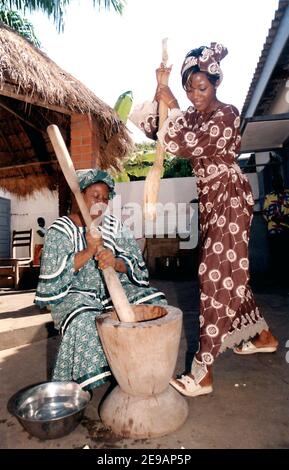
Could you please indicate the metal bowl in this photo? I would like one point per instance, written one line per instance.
(49, 410)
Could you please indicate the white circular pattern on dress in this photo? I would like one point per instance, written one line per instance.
(205, 190)
(221, 221)
(214, 275)
(171, 132)
(207, 358)
(250, 200)
(225, 197)
(198, 151)
(214, 219)
(237, 122)
(218, 248)
(172, 147)
(190, 137)
(216, 304)
(209, 206)
(154, 121)
(201, 207)
(244, 263)
(233, 228)
(212, 169)
(216, 185)
(207, 243)
(222, 168)
(231, 255)
(245, 236)
(204, 296)
(235, 202)
(212, 331)
(201, 320)
(228, 283)
(230, 312)
(214, 131)
(234, 178)
(221, 143)
(202, 268)
(228, 133)
(240, 291)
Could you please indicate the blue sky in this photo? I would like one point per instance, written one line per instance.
(112, 54)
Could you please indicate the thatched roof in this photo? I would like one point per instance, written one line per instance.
(35, 92)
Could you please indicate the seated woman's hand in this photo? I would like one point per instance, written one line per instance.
(105, 259)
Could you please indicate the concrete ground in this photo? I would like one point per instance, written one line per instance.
(249, 407)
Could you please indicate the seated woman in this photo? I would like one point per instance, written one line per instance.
(71, 281)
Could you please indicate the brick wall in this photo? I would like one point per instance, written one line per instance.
(84, 147)
(84, 151)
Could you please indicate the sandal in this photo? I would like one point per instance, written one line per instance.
(188, 387)
(249, 348)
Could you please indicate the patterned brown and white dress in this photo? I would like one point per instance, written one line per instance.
(228, 313)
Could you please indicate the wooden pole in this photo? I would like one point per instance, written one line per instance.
(152, 182)
(118, 296)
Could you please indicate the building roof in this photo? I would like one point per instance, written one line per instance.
(279, 14)
(36, 92)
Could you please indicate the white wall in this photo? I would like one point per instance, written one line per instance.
(171, 190)
(280, 103)
(24, 212)
(174, 213)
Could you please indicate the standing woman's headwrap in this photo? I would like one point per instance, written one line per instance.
(204, 59)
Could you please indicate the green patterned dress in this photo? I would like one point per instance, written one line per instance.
(76, 298)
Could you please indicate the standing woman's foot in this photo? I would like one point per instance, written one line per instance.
(265, 339)
(264, 342)
(187, 385)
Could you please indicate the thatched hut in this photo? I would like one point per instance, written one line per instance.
(35, 92)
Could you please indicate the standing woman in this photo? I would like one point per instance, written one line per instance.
(208, 135)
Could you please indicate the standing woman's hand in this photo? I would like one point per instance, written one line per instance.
(163, 74)
(165, 94)
(163, 91)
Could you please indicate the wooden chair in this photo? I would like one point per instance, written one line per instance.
(10, 267)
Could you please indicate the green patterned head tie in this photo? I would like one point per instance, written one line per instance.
(88, 177)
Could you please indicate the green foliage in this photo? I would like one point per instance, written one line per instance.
(138, 164)
(56, 8)
(177, 167)
(123, 105)
(21, 25)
